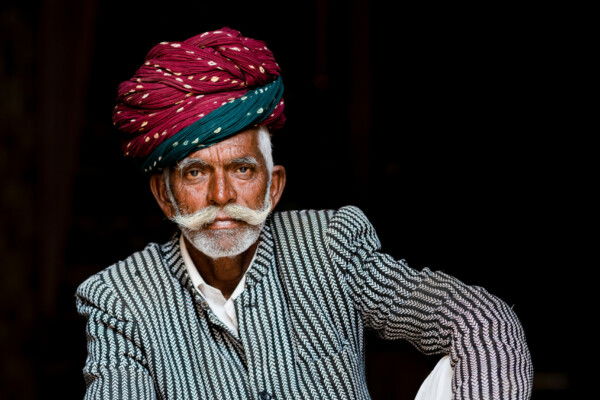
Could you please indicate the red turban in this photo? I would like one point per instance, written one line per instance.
(183, 82)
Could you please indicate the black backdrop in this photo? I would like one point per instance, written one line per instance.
(449, 126)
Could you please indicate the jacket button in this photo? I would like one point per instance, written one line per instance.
(264, 395)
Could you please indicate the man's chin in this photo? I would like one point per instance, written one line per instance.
(217, 243)
(223, 239)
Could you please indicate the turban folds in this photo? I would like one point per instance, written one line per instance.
(192, 94)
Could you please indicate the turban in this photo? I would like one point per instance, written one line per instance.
(192, 94)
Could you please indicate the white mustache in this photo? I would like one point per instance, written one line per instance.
(207, 215)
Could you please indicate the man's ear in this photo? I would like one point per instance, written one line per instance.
(159, 190)
(278, 178)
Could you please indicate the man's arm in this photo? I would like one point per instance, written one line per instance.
(435, 312)
(115, 367)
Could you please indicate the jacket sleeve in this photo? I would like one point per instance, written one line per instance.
(115, 367)
(434, 311)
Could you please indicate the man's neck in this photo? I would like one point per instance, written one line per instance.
(222, 273)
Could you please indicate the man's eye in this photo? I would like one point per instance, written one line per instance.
(245, 169)
(193, 173)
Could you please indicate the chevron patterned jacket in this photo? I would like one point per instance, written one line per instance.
(318, 280)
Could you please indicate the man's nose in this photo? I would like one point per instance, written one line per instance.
(221, 192)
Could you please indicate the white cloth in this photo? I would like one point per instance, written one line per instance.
(223, 308)
(438, 384)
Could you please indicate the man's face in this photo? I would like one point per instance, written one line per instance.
(223, 195)
(230, 172)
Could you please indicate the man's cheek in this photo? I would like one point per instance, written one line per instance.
(191, 201)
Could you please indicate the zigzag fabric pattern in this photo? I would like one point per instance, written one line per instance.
(318, 280)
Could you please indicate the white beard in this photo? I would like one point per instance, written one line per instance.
(218, 243)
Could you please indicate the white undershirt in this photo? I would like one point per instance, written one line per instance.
(223, 308)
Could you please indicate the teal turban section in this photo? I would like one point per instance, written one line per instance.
(234, 116)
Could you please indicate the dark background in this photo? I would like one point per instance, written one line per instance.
(453, 128)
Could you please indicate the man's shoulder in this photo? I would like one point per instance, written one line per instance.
(316, 245)
(341, 225)
(140, 262)
(347, 217)
(307, 215)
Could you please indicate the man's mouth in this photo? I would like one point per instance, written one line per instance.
(223, 223)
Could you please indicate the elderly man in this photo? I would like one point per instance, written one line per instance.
(250, 303)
